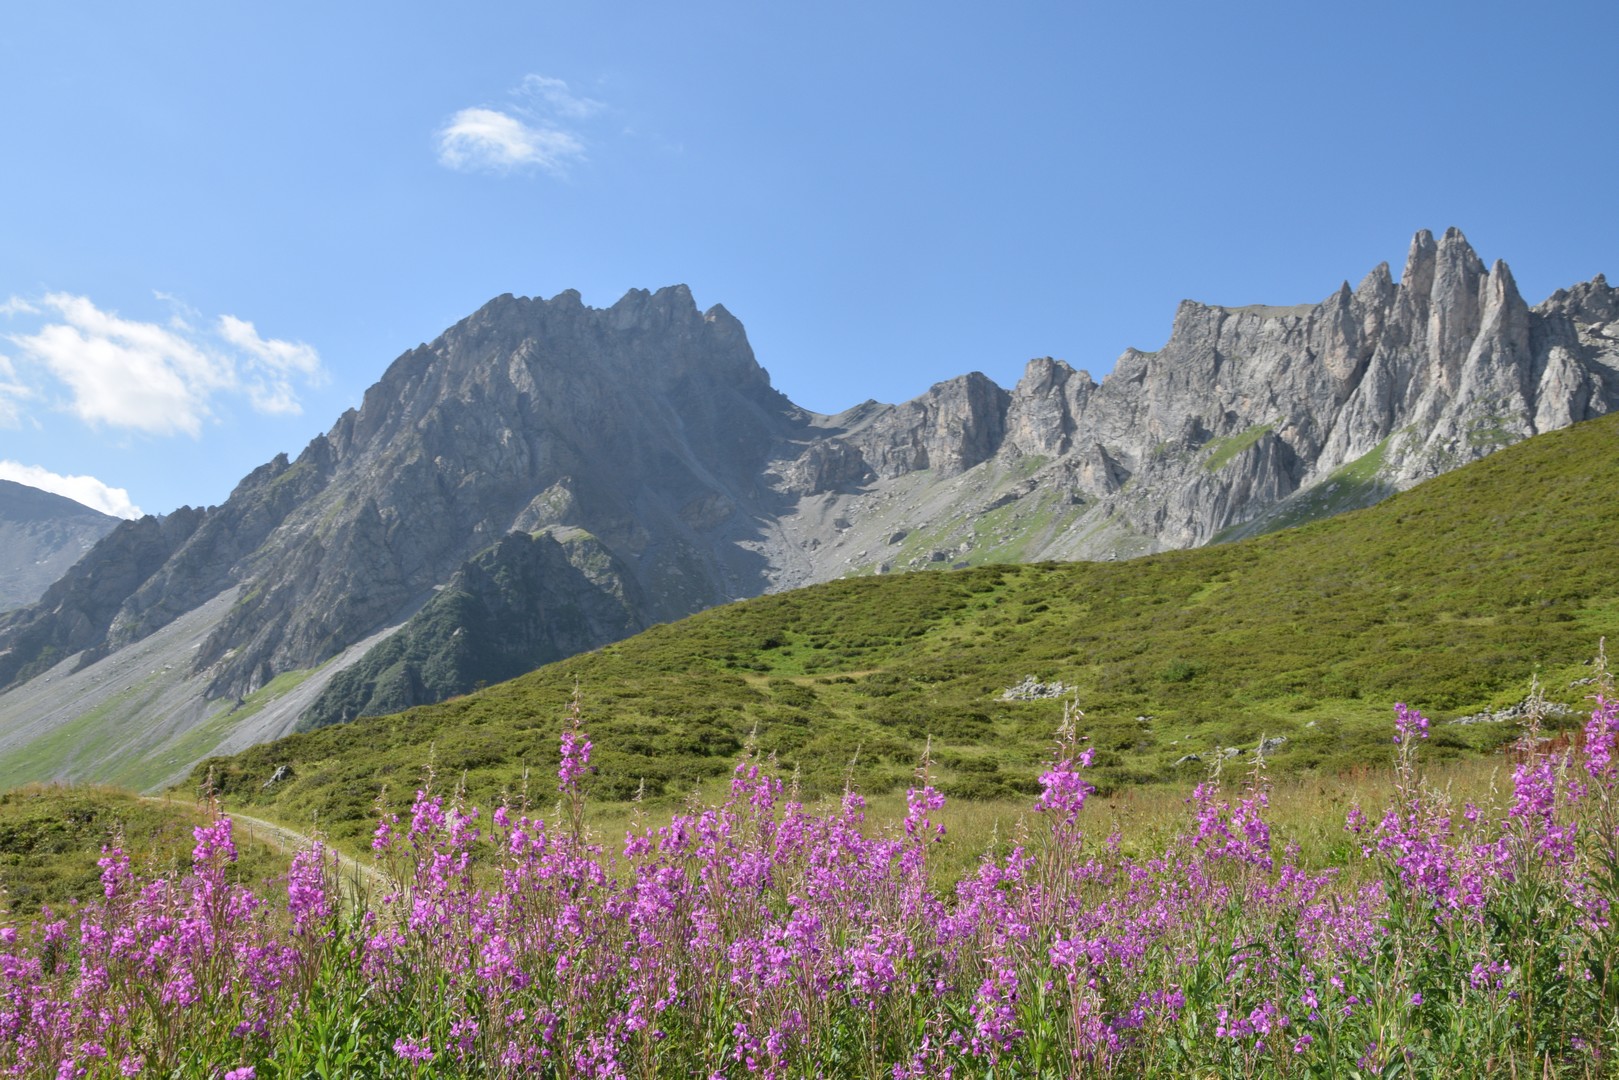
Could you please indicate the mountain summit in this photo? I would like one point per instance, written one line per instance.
(648, 470)
(41, 536)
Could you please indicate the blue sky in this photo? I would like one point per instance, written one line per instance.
(223, 221)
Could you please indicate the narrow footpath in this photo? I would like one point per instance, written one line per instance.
(358, 881)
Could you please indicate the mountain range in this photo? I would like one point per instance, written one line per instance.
(546, 477)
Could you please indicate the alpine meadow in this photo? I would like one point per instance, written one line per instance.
(809, 542)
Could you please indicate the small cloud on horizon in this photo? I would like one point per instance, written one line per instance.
(85, 490)
(161, 380)
(528, 134)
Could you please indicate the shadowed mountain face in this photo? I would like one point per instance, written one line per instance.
(638, 434)
(644, 446)
(41, 535)
(646, 425)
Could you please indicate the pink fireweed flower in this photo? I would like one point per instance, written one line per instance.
(1241, 833)
(307, 899)
(1534, 808)
(414, 1052)
(1062, 791)
(115, 873)
(426, 814)
(1408, 724)
(1599, 740)
(918, 803)
(382, 839)
(214, 840)
(575, 765)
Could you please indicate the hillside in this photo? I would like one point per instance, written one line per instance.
(1449, 596)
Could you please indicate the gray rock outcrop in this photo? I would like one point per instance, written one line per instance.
(75, 613)
(1247, 419)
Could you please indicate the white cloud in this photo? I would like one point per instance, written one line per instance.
(127, 374)
(538, 131)
(487, 140)
(273, 362)
(81, 489)
(16, 305)
(162, 380)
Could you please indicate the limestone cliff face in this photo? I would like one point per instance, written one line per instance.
(954, 426)
(649, 470)
(1248, 417)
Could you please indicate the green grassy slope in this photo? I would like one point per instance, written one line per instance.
(51, 837)
(1449, 597)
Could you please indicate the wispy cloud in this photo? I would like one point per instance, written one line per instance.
(274, 364)
(184, 313)
(16, 305)
(487, 140)
(538, 130)
(162, 380)
(552, 95)
(11, 392)
(81, 489)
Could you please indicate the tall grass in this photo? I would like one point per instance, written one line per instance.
(756, 936)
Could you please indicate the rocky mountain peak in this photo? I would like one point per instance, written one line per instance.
(639, 412)
(957, 424)
(724, 323)
(1416, 280)
(1377, 281)
(1249, 409)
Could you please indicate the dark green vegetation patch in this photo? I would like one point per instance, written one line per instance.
(1449, 597)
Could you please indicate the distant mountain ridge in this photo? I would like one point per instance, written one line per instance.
(41, 535)
(646, 444)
